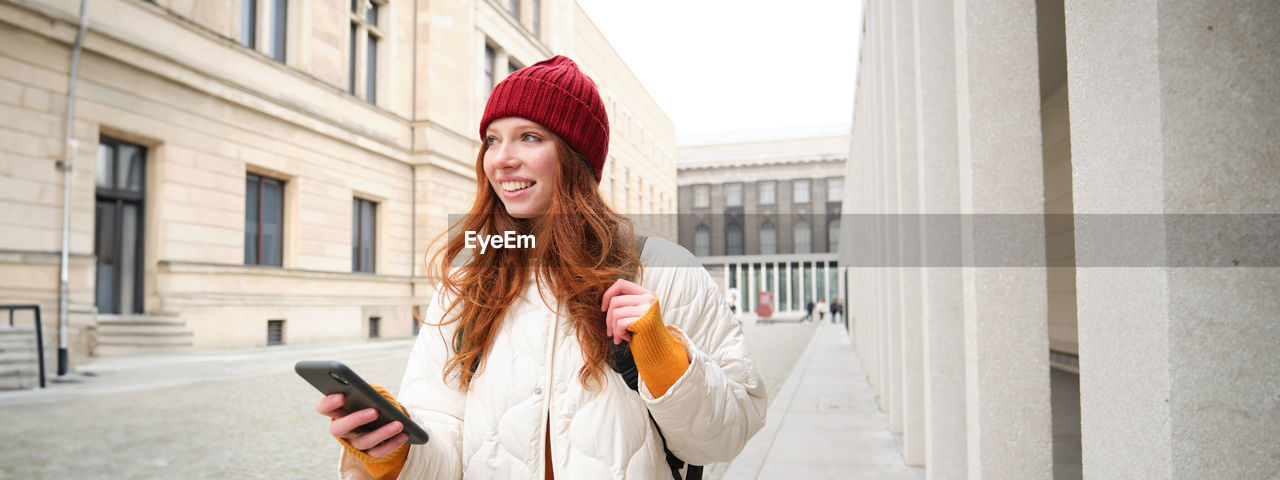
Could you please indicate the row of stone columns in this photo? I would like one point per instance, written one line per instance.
(947, 119)
(745, 276)
(1172, 111)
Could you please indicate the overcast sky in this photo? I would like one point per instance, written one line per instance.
(735, 65)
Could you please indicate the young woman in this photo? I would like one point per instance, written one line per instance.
(513, 376)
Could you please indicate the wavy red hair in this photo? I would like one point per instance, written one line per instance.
(582, 247)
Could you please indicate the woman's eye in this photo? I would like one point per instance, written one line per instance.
(529, 137)
(490, 141)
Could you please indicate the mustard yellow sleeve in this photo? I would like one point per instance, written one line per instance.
(387, 467)
(659, 354)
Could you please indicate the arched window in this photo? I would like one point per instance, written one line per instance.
(768, 239)
(733, 239)
(833, 236)
(702, 241)
(801, 234)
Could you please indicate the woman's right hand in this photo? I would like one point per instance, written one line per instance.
(377, 444)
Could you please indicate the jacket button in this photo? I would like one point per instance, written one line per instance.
(537, 391)
(561, 388)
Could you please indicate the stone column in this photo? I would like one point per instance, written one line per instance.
(1006, 306)
(907, 185)
(789, 286)
(889, 177)
(942, 315)
(751, 286)
(1173, 112)
(777, 287)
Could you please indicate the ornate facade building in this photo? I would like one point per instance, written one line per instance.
(255, 172)
(762, 213)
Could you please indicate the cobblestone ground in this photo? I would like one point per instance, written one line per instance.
(228, 415)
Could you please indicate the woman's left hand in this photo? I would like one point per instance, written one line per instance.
(625, 303)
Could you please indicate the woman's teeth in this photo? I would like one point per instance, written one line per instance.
(516, 186)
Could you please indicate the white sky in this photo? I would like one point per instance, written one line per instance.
(726, 66)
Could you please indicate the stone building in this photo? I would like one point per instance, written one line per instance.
(253, 172)
(1108, 336)
(761, 211)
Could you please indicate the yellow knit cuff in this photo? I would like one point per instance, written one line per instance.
(387, 467)
(660, 355)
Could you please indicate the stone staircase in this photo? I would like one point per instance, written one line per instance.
(19, 369)
(123, 335)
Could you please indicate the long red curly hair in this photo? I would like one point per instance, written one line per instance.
(582, 247)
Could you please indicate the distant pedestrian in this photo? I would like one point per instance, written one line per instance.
(837, 311)
(808, 309)
(822, 310)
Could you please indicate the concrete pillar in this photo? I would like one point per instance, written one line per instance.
(726, 277)
(889, 177)
(1179, 118)
(1006, 308)
(777, 290)
(942, 315)
(789, 287)
(751, 282)
(907, 185)
(742, 289)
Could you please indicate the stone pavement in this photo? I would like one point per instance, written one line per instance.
(824, 423)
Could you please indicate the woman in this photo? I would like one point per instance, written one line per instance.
(514, 377)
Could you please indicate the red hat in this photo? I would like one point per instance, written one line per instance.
(558, 96)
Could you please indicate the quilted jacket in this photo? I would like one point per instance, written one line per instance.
(496, 430)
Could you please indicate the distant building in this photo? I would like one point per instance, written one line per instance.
(249, 173)
(763, 215)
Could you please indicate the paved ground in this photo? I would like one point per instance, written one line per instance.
(232, 414)
(824, 423)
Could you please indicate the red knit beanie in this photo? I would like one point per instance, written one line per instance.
(558, 96)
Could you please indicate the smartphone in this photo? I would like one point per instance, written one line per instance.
(330, 377)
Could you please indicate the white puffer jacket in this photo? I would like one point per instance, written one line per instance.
(496, 430)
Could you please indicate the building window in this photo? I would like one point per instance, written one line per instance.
(263, 221)
(833, 236)
(733, 195)
(279, 28)
(513, 7)
(487, 83)
(768, 239)
(702, 241)
(275, 332)
(364, 217)
(835, 189)
(768, 192)
(701, 196)
(733, 239)
(119, 226)
(362, 49)
(800, 191)
(375, 324)
(536, 6)
(801, 235)
(512, 66)
(248, 23)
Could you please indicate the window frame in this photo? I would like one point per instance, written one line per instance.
(836, 190)
(773, 192)
(357, 233)
(795, 191)
(365, 48)
(260, 233)
(702, 196)
(729, 196)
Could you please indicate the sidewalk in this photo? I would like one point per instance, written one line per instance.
(163, 371)
(824, 423)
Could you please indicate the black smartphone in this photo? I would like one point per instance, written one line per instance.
(330, 377)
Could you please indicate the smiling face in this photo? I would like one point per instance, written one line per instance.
(520, 162)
